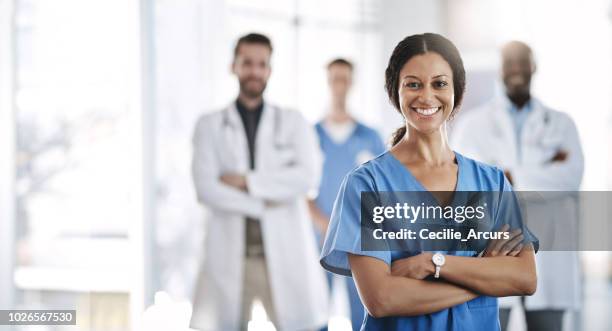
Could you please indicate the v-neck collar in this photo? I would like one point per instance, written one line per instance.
(332, 141)
(458, 184)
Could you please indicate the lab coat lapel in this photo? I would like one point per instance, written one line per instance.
(534, 124)
(505, 131)
(235, 141)
(264, 137)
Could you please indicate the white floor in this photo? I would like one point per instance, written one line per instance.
(596, 314)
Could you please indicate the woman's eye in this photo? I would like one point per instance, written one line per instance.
(412, 85)
(440, 84)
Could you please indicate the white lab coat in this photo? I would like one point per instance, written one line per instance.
(487, 134)
(288, 165)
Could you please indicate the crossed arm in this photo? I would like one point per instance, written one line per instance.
(507, 268)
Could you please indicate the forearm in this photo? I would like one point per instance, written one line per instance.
(565, 175)
(280, 185)
(319, 219)
(213, 193)
(495, 276)
(385, 294)
(411, 297)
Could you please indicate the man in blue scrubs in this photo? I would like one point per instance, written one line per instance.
(346, 143)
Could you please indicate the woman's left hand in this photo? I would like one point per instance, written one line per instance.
(415, 267)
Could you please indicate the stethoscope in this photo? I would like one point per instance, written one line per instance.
(545, 120)
(546, 117)
(278, 142)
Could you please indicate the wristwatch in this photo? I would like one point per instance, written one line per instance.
(438, 260)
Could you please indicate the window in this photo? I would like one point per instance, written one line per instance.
(76, 155)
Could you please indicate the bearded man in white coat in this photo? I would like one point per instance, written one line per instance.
(539, 150)
(253, 166)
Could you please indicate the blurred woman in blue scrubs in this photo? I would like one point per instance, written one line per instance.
(346, 143)
(425, 81)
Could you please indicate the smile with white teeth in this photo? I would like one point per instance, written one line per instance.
(427, 111)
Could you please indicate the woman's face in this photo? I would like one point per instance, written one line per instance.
(426, 94)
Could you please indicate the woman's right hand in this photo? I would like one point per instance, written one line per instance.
(505, 247)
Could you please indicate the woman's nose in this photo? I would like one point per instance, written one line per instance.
(426, 95)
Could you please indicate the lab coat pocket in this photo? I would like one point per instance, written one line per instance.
(230, 163)
(285, 156)
(549, 137)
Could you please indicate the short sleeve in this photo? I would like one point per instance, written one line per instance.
(509, 212)
(344, 232)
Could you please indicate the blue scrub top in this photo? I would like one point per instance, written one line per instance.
(340, 159)
(386, 173)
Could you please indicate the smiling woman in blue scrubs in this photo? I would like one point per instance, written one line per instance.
(425, 81)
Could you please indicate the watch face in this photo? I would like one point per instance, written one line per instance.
(438, 259)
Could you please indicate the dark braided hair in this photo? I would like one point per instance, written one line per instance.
(419, 44)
